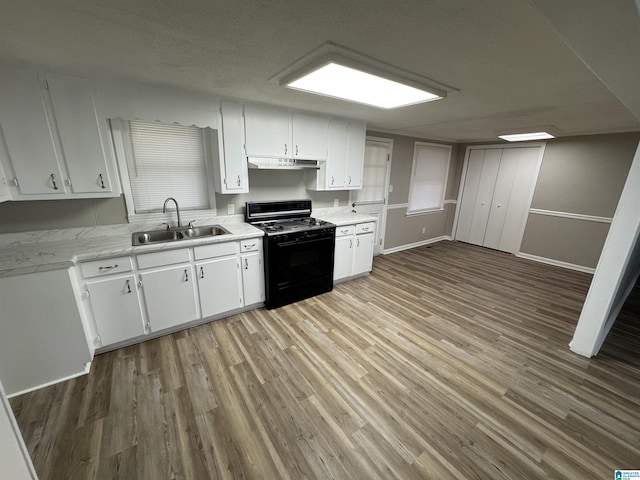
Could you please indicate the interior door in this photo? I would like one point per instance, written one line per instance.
(371, 199)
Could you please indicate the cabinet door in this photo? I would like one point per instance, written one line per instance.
(233, 162)
(363, 254)
(28, 134)
(337, 157)
(219, 285)
(310, 136)
(115, 303)
(267, 132)
(81, 133)
(4, 188)
(343, 258)
(170, 296)
(252, 278)
(356, 137)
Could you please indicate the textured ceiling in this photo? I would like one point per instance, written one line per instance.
(512, 69)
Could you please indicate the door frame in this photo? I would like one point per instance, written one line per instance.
(382, 223)
(502, 146)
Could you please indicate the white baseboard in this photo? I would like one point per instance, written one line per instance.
(416, 244)
(557, 263)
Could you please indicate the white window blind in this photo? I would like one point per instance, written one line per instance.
(428, 177)
(165, 161)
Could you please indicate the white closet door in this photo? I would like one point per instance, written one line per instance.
(483, 167)
(501, 196)
(469, 194)
(524, 183)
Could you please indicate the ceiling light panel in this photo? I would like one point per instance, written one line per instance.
(523, 137)
(339, 81)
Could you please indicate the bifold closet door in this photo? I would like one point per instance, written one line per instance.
(496, 196)
(479, 185)
(512, 195)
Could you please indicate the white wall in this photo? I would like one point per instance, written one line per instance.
(15, 463)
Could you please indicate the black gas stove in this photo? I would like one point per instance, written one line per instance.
(298, 250)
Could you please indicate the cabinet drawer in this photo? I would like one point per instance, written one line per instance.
(345, 230)
(365, 227)
(215, 250)
(158, 259)
(251, 245)
(105, 267)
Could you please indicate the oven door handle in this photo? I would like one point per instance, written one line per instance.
(303, 240)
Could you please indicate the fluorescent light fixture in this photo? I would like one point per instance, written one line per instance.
(523, 137)
(334, 71)
(339, 81)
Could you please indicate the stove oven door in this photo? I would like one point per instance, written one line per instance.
(298, 266)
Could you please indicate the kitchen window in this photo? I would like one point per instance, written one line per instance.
(159, 160)
(428, 177)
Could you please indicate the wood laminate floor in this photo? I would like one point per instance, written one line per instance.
(449, 361)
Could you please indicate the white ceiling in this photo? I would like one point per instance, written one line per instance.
(513, 71)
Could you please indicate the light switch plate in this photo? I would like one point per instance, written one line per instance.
(231, 209)
(336, 202)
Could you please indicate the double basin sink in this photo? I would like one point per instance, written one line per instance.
(175, 234)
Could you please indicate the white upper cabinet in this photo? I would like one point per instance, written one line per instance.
(56, 144)
(267, 132)
(274, 133)
(82, 134)
(232, 176)
(310, 136)
(28, 134)
(345, 163)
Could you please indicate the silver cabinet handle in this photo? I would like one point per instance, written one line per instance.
(128, 286)
(53, 181)
(238, 180)
(350, 243)
(296, 150)
(349, 179)
(186, 275)
(344, 232)
(249, 247)
(285, 148)
(246, 264)
(357, 242)
(365, 229)
(101, 177)
(332, 179)
(201, 272)
(108, 267)
(499, 205)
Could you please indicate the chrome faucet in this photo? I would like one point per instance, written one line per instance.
(164, 209)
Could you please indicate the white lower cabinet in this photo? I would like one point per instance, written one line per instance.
(219, 285)
(252, 277)
(362, 254)
(353, 250)
(116, 308)
(170, 296)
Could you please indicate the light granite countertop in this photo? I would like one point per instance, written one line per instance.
(43, 250)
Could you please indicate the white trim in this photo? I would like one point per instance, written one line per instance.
(87, 367)
(397, 206)
(556, 263)
(416, 244)
(451, 202)
(424, 212)
(573, 216)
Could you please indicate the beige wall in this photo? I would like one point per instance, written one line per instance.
(579, 175)
(402, 230)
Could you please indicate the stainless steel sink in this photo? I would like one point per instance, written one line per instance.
(174, 234)
(206, 231)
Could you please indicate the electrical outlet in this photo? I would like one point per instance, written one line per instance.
(390, 188)
(231, 209)
(336, 202)
(424, 229)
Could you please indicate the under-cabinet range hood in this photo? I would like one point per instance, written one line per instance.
(282, 164)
